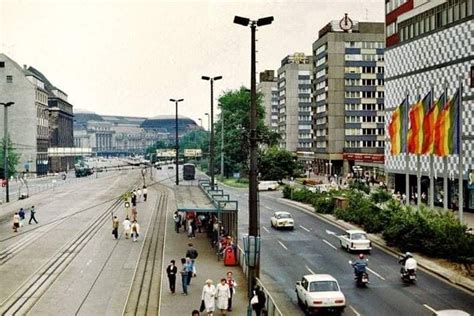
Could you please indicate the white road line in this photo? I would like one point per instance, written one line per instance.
(268, 208)
(302, 227)
(375, 273)
(328, 243)
(281, 244)
(430, 308)
(310, 271)
(354, 310)
(266, 229)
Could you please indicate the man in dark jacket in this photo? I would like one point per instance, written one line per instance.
(261, 301)
(192, 254)
(171, 271)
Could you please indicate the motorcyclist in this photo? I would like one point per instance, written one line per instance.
(359, 265)
(408, 263)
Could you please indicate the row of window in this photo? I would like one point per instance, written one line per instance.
(304, 108)
(364, 119)
(320, 49)
(365, 82)
(364, 44)
(321, 85)
(364, 94)
(364, 143)
(304, 90)
(321, 61)
(394, 4)
(305, 145)
(321, 132)
(321, 144)
(305, 136)
(321, 73)
(364, 107)
(365, 70)
(364, 131)
(363, 57)
(321, 108)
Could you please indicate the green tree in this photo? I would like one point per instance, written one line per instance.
(13, 158)
(235, 108)
(277, 164)
(197, 139)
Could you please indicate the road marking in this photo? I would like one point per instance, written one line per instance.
(375, 273)
(281, 244)
(310, 271)
(330, 232)
(430, 308)
(268, 208)
(354, 310)
(266, 229)
(328, 243)
(302, 227)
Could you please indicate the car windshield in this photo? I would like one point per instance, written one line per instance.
(359, 236)
(323, 286)
(284, 216)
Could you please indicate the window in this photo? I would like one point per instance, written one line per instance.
(352, 94)
(320, 49)
(9, 79)
(320, 73)
(320, 61)
(352, 57)
(2, 64)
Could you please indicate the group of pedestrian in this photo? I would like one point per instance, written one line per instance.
(218, 297)
(19, 218)
(130, 229)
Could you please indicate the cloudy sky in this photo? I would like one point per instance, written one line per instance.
(129, 57)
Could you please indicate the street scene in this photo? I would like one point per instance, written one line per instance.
(205, 157)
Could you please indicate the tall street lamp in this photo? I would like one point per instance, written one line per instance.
(208, 121)
(200, 121)
(5, 148)
(176, 101)
(211, 141)
(254, 238)
(222, 142)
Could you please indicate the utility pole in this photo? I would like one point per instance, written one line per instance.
(5, 148)
(176, 101)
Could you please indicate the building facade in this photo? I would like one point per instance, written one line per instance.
(294, 105)
(348, 98)
(268, 88)
(434, 52)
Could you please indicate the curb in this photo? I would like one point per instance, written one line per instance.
(376, 241)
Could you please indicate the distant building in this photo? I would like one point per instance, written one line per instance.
(348, 97)
(28, 118)
(268, 87)
(294, 105)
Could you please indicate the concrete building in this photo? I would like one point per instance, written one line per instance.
(348, 98)
(268, 88)
(429, 46)
(294, 105)
(28, 118)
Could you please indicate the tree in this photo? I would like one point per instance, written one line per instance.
(157, 145)
(197, 139)
(276, 164)
(235, 109)
(13, 158)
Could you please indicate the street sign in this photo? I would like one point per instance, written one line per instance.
(192, 153)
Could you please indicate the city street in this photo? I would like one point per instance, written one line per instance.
(313, 248)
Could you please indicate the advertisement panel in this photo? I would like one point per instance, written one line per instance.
(192, 153)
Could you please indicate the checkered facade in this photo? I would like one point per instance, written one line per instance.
(429, 62)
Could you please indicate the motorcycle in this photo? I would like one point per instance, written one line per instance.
(362, 278)
(408, 276)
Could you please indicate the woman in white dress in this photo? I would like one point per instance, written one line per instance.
(223, 295)
(208, 296)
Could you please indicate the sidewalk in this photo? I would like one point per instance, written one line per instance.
(439, 267)
(207, 268)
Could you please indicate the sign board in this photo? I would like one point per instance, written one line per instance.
(192, 153)
(470, 179)
(236, 175)
(165, 152)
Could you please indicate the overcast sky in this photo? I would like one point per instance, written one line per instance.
(130, 57)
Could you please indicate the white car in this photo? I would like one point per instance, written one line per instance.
(267, 185)
(316, 292)
(282, 220)
(355, 240)
(451, 312)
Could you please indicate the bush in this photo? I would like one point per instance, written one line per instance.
(286, 192)
(324, 203)
(360, 186)
(380, 196)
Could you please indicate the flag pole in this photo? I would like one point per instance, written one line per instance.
(445, 160)
(418, 164)
(431, 194)
(407, 157)
(460, 165)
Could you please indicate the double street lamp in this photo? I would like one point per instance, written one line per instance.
(5, 148)
(211, 118)
(176, 101)
(253, 252)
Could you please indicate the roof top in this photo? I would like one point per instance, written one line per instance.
(353, 231)
(319, 277)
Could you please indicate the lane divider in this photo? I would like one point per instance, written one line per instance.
(310, 271)
(430, 308)
(304, 228)
(329, 244)
(375, 273)
(266, 229)
(281, 244)
(354, 310)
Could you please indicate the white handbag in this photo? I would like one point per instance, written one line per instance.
(254, 300)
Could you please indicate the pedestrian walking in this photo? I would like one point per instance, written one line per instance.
(126, 227)
(222, 296)
(261, 300)
(16, 222)
(189, 269)
(139, 194)
(21, 213)
(232, 285)
(134, 213)
(171, 272)
(177, 221)
(145, 193)
(115, 226)
(135, 230)
(195, 313)
(192, 253)
(208, 296)
(184, 276)
(134, 198)
(32, 215)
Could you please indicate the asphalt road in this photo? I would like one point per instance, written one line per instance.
(313, 247)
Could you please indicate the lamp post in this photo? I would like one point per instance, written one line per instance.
(254, 233)
(200, 121)
(222, 142)
(208, 122)
(5, 148)
(176, 101)
(211, 117)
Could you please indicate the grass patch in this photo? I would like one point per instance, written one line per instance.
(236, 183)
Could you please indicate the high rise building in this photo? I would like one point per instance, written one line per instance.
(294, 105)
(348, 98)
(429, 48)
(268, 88)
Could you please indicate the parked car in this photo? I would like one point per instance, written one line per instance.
(282, 220)
(267, 185)
(170, 167)
(318, 292)
(355, 240)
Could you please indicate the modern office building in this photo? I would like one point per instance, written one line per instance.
(429, 47)
(348, 98)
(294, 105)
(268, 88)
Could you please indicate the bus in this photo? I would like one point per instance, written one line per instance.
(189, 171)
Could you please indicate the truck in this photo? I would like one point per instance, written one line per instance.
(189, 171)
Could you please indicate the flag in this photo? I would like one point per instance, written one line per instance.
(396, 129)
(447, 136)
(429, 122)
(415, 132)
